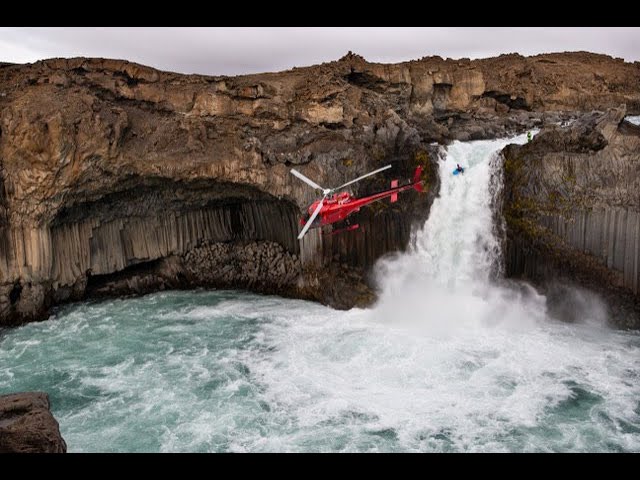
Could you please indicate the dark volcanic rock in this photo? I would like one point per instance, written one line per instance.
(108, 168)
(572, 208)
(27, 426)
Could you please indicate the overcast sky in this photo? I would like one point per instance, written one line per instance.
(237, 50)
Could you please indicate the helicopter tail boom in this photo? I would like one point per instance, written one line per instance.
(394, 196)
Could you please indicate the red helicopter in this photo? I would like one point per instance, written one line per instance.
(340, 205)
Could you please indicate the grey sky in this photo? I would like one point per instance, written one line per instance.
(237, 50)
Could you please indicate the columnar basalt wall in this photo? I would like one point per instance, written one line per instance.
(110, 169)
(572, 206)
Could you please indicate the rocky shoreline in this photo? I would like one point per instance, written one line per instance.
(27, 425)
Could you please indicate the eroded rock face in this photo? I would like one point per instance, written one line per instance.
(27, 426)
(108, 167)
(572, 207)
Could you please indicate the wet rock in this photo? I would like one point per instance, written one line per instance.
(572, 209)
(27, 426)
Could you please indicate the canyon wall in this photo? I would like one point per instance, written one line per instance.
(572, 208)
(117, 178)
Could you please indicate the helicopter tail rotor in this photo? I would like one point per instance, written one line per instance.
(417, 183)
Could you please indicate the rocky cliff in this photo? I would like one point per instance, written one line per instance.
(118, 178)
(27, 426)
(572, 208)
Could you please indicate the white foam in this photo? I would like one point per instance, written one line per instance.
(447, 349)
(635, 119)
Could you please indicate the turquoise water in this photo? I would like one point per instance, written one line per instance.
(230, 371)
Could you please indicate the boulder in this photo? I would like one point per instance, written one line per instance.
(27, 425)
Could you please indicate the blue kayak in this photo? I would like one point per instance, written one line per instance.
(456, 171)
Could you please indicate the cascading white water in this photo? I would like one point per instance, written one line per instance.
(446, 279)
(458, 244)
(448, 360)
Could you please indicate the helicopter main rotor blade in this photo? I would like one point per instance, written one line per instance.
(313, 216)
(306, 180)
(363, 176)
